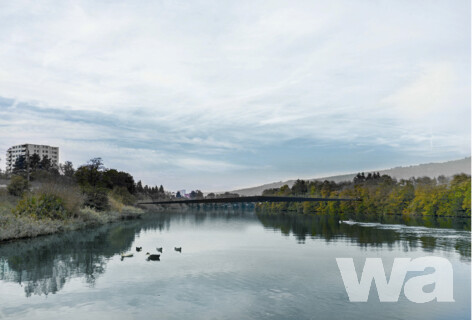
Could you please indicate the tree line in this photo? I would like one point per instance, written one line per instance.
(96, 182)
(380, 194)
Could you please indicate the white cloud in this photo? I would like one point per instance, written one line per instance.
(430, 92)
(206, 165)
(203, 82)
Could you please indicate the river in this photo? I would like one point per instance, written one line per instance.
(233, 265)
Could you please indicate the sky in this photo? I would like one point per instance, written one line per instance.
(218, 95)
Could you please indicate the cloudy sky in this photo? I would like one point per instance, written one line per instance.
(218, 94)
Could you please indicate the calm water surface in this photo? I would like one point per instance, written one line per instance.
(233, 265)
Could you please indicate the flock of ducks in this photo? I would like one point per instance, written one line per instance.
(150, 257)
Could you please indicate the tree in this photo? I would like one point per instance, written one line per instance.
(139, 187)
(90, 178)
(121, 194)
(45, 163)
(96, 198)
(17, 186)
(91, 174)
(198, 194)
(442, 179)
(383, 194)
(359, 178)
(299, 187)
(20, 164)
(114, 178)
(284, 190)
(67, 169)
(326, 188)
(35, 161)
(425, 181)
(96, 163)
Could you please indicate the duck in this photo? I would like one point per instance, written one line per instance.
(126, 255)
(159, 249)
(179, 249)
(139, 248)
(153, 257)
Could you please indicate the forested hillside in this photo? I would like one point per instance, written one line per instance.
(380, 194)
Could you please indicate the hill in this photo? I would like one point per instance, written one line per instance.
(431, 170)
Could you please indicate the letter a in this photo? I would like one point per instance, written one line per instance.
(442, 277)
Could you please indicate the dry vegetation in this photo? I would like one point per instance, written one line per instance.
(52, 208)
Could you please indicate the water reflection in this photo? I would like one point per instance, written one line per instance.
(377, 231)
(44, 265)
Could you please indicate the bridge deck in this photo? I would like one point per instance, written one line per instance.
(248, 199)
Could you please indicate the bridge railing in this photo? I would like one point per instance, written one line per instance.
(256, 199)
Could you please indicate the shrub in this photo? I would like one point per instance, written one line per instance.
(115, 205)
(122, 195)
(18, 185)
(90, 215)
(7, 201)
(70, 195)
(52, 201)
(96, 198)
(42, 206)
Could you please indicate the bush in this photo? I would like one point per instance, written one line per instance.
(52, 201)
(115, 205)
(7, 201)
(26, 226)
(122, 195)
(42, 206)
(96, 198)
(70, 195)
(18, 185)
(92, 216)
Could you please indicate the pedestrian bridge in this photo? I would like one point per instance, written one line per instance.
(256, 199)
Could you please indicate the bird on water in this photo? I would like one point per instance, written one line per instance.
(153, 257)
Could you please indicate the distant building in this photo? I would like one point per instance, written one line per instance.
(15, 152)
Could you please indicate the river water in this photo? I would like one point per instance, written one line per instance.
(233, 265)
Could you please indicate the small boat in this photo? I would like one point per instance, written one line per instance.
(139, 248)
(159, 249)
(179, 249)
(126, 255)
(153, 257)
(347, 221)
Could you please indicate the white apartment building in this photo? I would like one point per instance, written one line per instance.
(21, 150)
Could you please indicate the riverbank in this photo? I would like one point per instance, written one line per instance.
(22, 217)
(14, 226)
(441, 197)
(53, 199)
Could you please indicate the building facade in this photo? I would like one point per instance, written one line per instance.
(15, 152)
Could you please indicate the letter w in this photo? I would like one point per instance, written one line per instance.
(358, 291)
